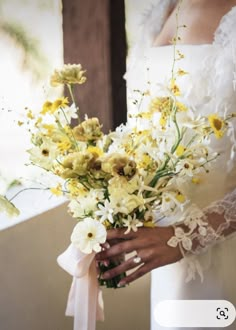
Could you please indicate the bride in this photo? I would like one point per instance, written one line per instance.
(207, 271)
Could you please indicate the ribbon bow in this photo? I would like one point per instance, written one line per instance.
(85, 301)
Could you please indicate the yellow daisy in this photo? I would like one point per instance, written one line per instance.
(217, 124)
(47, 107)
(61, 102)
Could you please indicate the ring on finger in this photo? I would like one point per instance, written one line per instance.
(137, 259)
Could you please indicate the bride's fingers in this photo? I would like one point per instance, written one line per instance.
(142, 270)
(119, 233)
(122, 268)
(118, 249)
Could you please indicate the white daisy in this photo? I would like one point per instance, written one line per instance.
(88, 235)
(45, 154)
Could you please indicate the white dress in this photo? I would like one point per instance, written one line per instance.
(209, 88)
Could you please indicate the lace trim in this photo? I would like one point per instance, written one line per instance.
(226, 33)
(196, 235)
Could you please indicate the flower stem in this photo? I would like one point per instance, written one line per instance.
(70, 89)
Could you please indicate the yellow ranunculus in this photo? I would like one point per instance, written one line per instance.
(88, 130)
(70, 74)
(116, 164)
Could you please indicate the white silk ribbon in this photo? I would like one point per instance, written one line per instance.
(85, 301)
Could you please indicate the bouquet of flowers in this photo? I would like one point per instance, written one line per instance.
(130, 177)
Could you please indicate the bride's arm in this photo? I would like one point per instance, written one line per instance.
(161, 246)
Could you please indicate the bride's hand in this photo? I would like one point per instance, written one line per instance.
(150, 246)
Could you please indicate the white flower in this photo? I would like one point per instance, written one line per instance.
(191, 120)
(122, 202)
(66, 114)
(44, 155)
(185, 167)
(88, 235)
(132, 223)
(85, 205)
(170, 201)
(105, 212)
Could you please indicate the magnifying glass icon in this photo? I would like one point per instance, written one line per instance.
(222, 313)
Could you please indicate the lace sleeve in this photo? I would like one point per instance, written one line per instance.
(195, 234)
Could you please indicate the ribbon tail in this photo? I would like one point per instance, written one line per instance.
(85, 301)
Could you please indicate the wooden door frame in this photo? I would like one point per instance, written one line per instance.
(94, 35)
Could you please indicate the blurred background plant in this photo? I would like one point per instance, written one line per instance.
(31, 45)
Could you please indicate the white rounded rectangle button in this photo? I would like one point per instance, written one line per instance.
(195, 313)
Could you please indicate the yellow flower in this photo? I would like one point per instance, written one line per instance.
(116, 164)
(50, 128)
(181, 107)
(30, 114)
(75, 188)
(38, 121)
(163, 121)
(47, 107)
(146, 160)
(64, 145)
(196, 180)
(95, 150)
(217, 125)
(149, 224)
(180, 150)
(161, 104)
(61, 102)
(69, 74)
(180, 197)
(174, 87)
(181, 72)
(57, 190)
(181, 55)
(144, 115)
(88, 130)
(77, 164)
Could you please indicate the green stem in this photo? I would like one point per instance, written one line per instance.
(71, 130)
(19, 192)
(70, 89)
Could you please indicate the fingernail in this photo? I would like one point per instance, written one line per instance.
(106, 263)
(107, 245)
(105, 276)
(120, 284)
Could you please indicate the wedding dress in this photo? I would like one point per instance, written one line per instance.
(210, 87)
